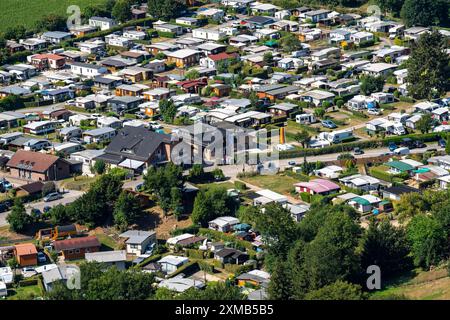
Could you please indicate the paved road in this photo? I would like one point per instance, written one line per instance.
(232, 170)
(69, 197)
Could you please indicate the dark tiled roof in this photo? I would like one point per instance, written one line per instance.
(136, 143)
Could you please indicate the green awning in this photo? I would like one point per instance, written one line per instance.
(361, 201)
(401, 166)
(271, 43)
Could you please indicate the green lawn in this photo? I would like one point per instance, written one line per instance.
(420, 285)
(107, 242)
(278, 183)
(25, 293)
(81, 183)
(27, 12)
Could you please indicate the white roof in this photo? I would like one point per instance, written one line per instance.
(445, 178)
(272, 195)
(131, 164)
(412, 162)
(371, 198)
(106, 256)
(6, 275)
(179, 238)
(181, 284)
(378, 67)
(173, 260)
(36, 124)
(181, 54)
(223, 221)
(260, 273)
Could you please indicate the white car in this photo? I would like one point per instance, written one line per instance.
(375, 112)
(28, 272)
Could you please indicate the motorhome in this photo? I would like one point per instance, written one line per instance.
(337, 136)
(305, 118)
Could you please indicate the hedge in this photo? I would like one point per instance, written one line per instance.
(205, 266)
(369, 144)
(240, 185)
(381, 174)
(193, 229)
(237, 269)
(148, 260)
(28, 282)
(195, 253)
(229, 238)
(163, 34)
(188, 268)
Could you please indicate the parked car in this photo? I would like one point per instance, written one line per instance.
(401, 151)
(52, 197)
(374, 112)
(6, 184)
(392, 146)
(141, 115)
(3, 207)
(442, 143)
(35, 212)
(41, 257)
(70, 103)
(47, 209)
(329, 124)
(28, 272)
(139, 187)
(292, 163)
(358, 151)
(419, 144)
(77, 140)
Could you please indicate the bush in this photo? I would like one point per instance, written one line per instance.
(381, 174)
(28, 282)
(240, 185)
(194, 253)
(188, 268)
(205, 266)
(305, 196)
(193, 229)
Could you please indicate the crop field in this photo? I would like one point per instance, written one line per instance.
(27, 12)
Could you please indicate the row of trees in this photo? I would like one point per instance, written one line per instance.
(113, 284)
(418, 12)
(104, 202)
(327, 253)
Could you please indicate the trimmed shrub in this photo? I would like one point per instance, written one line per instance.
(194, 253)
(240, 185)
(188, 268)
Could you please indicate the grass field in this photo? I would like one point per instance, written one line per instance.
(425, 285)
(27, 12)
(278, 183)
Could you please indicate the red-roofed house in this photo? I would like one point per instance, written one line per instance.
(193, 86)
(26, 254)
(36, 166)
(317, 186)
(48, 60)
(76, 248)
(212, 60)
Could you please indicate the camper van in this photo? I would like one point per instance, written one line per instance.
(398, 129)
(401, 151)
(305, 118)
(336, 136)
